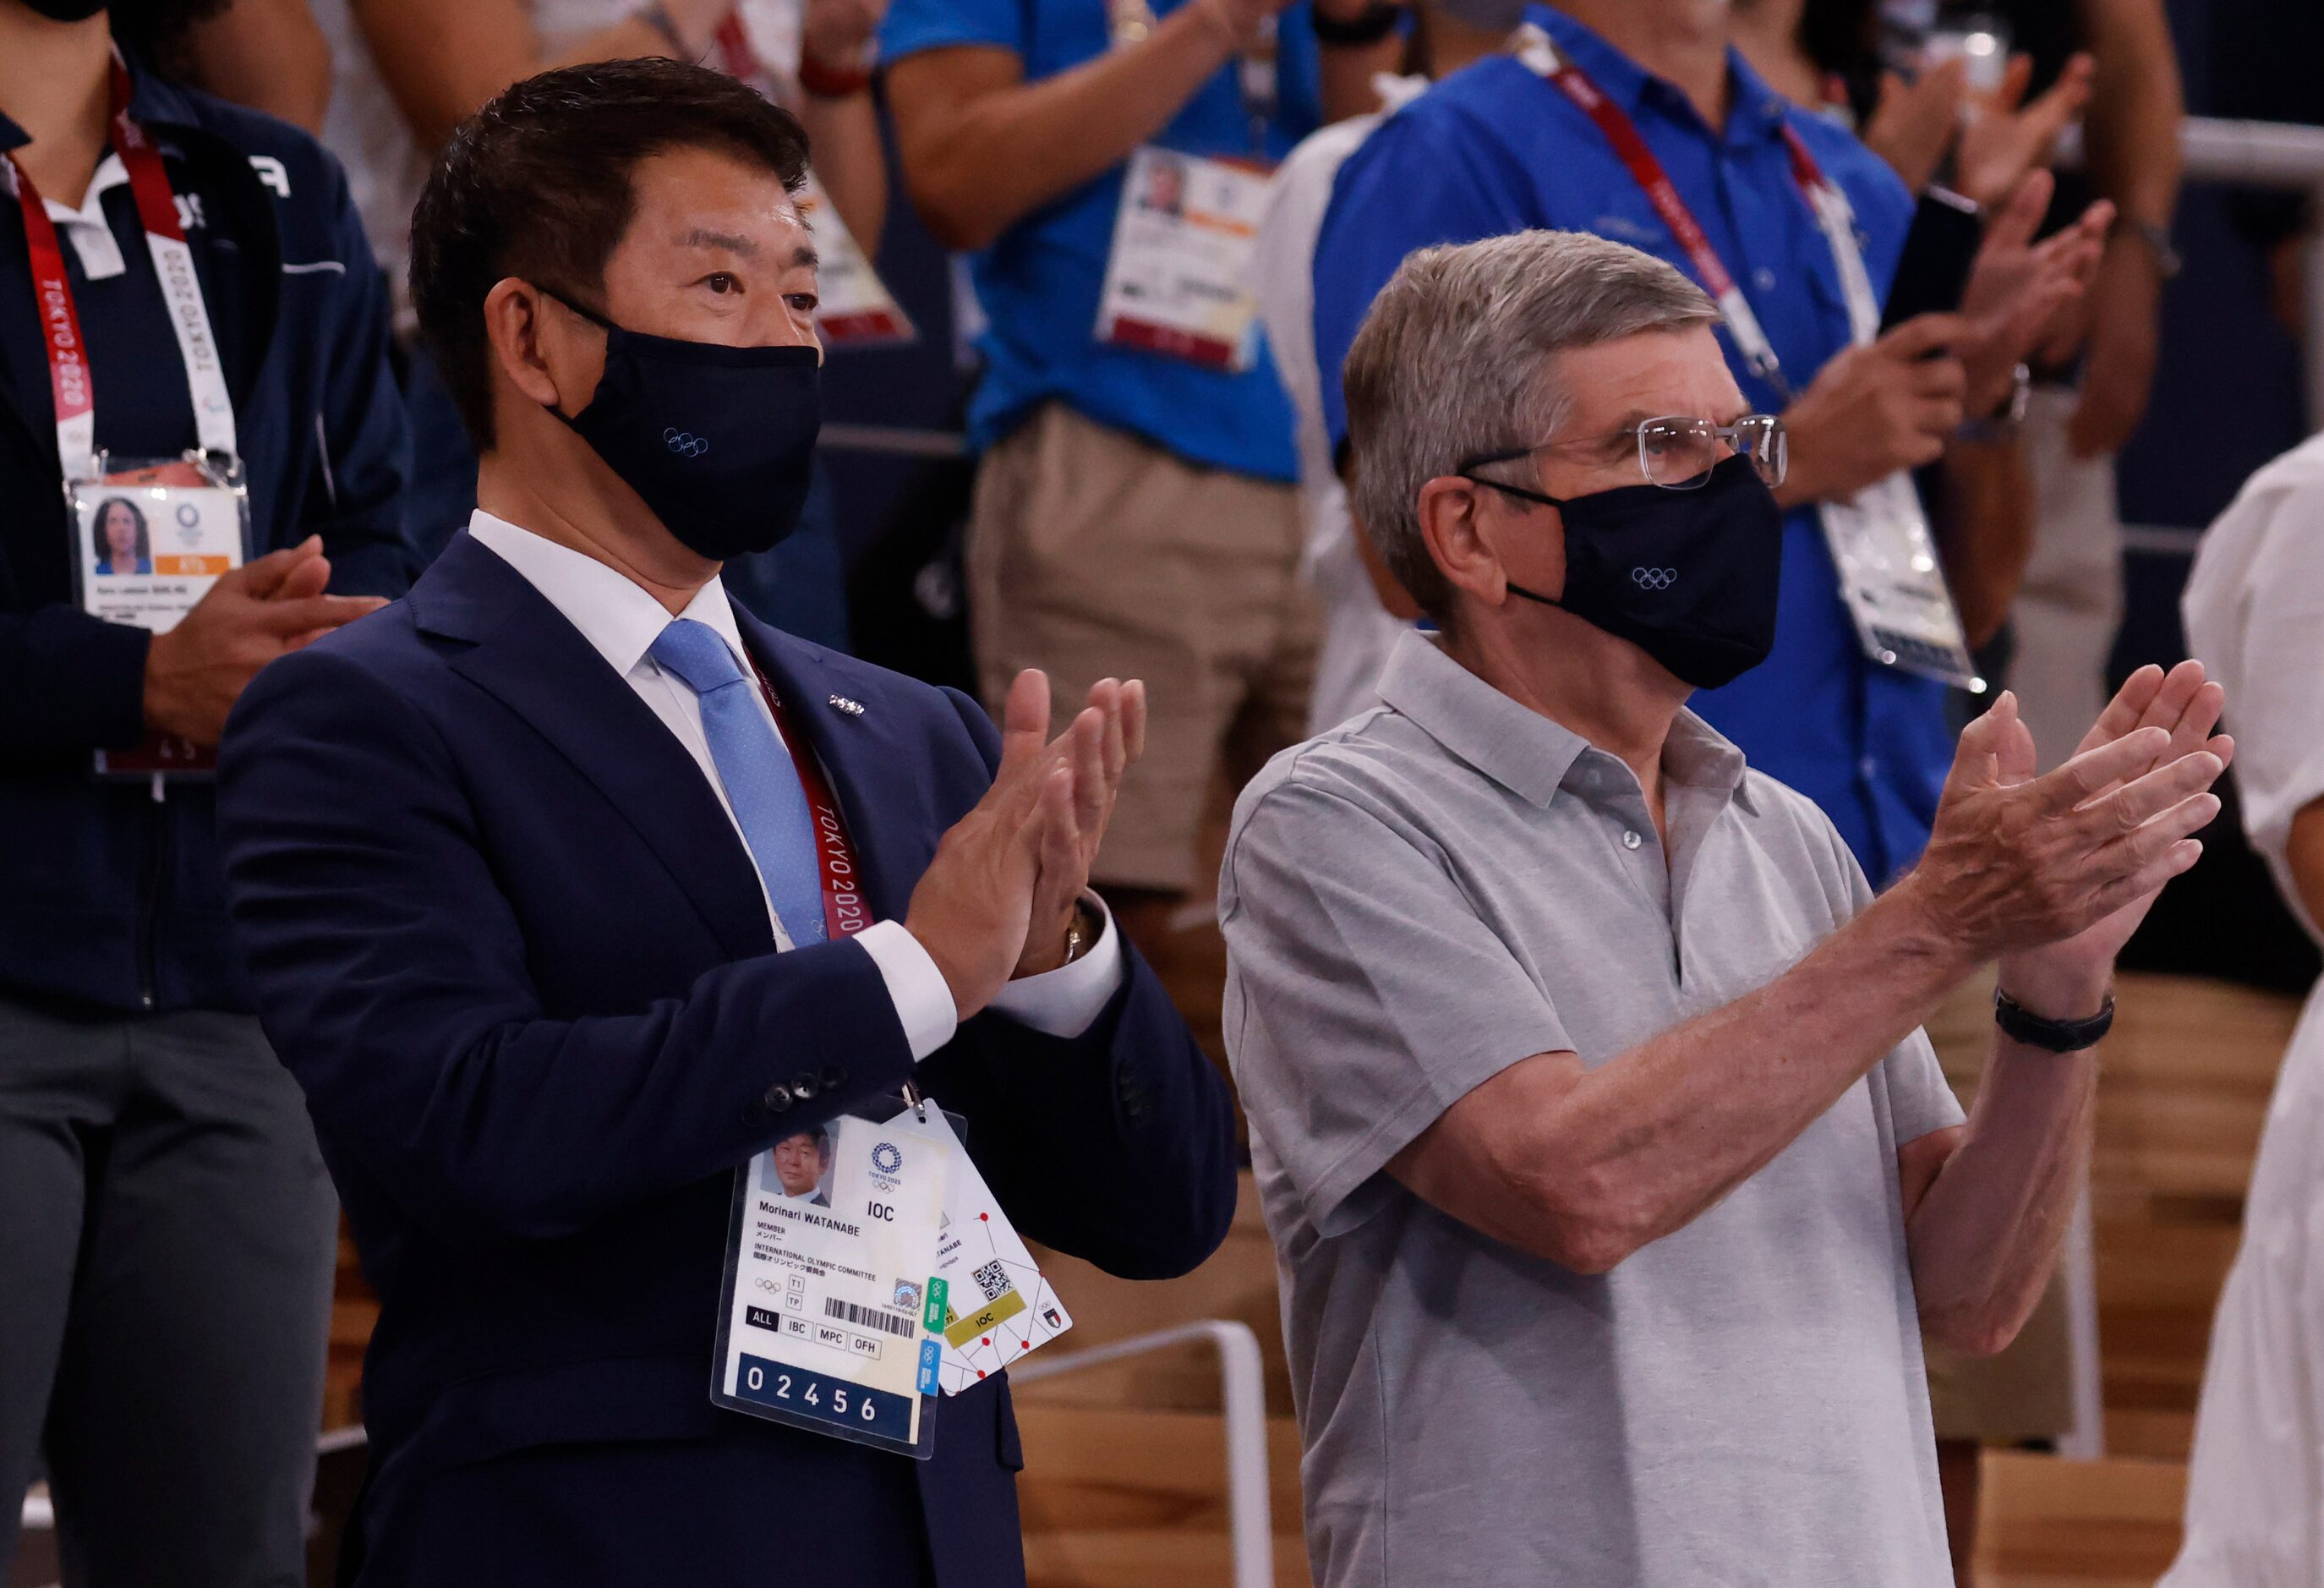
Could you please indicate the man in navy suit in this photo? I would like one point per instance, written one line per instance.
(537, 912)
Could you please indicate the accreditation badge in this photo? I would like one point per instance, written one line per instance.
(150, 537)
(1179, 280)
(830, 1315)
(997, 1306)
(1892, 585)
(854, 307)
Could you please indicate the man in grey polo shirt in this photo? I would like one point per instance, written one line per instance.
(1612, 1179)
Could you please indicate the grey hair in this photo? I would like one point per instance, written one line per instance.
(1455, 359)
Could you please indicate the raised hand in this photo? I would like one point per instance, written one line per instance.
(974, 905)
(1104, 740)
(2067, 979)
(2002, 138)
(1876, 408)
(2018, 288)
(253, 613)
(2019, 863)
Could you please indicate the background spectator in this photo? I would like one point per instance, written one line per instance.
(169, 1235)
(1134, 510)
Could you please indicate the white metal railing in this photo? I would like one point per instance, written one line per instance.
(1245, 1401)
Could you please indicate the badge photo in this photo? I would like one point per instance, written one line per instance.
(830, 1315)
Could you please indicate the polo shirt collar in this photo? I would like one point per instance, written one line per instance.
(1527, 753)
(1755, 111)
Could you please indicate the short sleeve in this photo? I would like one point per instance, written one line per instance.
(912, 26)
(1364, 995)
(1920, 1098)
(1415, 182)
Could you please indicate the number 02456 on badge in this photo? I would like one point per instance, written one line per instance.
(831, 1306)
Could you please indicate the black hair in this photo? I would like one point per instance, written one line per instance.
(103, 547)
(537, 184)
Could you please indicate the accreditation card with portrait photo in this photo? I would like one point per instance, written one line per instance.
(830, 1317)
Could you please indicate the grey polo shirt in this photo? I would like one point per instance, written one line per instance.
(1414, 901)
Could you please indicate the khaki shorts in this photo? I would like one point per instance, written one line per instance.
(1093, 554)
(2027, 1391)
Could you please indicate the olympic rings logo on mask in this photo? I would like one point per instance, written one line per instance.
(1653, 579)
(684, 443)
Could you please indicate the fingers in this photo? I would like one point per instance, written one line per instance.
(2147, 879)
(1023, 721)
(1133, 721)
(314, 612)
(2015, 78)
(2166, 789)
(1924, 334)
(2047, 117)
(1093, 790)
(263, 576)
(309, 577)
(2101, 766)
(1105, 698)
(1975, 759)
(2021, 217)
(2128, 709)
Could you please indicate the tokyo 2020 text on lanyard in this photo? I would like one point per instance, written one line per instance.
(149, 536)
(1881, 545)
(70, 387)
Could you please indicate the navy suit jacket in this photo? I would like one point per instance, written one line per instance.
(500, 929)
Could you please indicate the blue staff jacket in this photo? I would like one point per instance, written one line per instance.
(107, 898)
(1496, 149)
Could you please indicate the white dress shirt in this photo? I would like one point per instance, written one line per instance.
(622, 619)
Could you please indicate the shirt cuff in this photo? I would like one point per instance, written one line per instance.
(922, 997)
(1067, 1001)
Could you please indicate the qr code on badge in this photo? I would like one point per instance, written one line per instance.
(992, 1279)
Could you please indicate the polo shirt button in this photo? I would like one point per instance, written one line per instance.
(1764, 278)
(778, 1098)
(1631, 840)
(1868, 768)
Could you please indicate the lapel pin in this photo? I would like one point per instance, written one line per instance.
(851, 707)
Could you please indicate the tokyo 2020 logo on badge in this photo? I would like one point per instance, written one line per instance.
(887, 1157)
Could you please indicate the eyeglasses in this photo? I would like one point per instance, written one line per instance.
(1679, 454)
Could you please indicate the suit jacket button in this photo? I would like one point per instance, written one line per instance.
(803, 1086)
(778, 1098)
(832, 1078)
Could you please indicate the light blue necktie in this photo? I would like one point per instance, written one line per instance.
(762, 783)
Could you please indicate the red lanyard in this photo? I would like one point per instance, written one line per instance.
(1825, 200)
(69, 386)
(844, 911)
(742, 63)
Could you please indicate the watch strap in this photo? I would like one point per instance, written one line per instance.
(2022, 1024)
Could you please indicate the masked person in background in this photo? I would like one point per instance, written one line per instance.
(569, 889)
(1612, 1179)
(175, 273)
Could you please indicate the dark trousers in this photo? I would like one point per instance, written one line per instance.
(167, 1240)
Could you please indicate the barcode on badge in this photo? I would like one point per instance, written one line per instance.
(870, 1318)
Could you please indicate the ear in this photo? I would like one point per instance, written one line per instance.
(550, 358)
(1467, 528)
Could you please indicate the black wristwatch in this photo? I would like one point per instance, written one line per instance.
(1376, 22)
(2024, 1025)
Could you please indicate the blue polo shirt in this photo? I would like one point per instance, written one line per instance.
(1495, 149)
(1039, 282)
